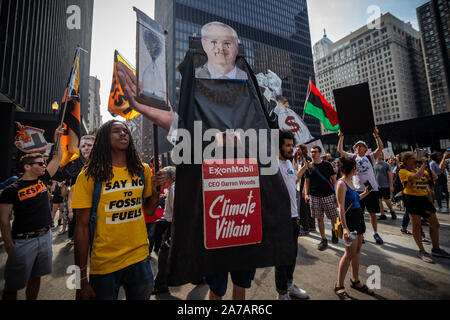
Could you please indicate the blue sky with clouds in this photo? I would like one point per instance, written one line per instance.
(115, 22)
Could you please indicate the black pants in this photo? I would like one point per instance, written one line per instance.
(306, 221)
(284, 275)
(163, 258)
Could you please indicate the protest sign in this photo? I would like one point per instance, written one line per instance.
(232, 203)
(354, 108)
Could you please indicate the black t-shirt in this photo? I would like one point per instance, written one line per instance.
(318, 187)
(31, 204)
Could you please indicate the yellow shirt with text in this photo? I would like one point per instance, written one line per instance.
(418, 187)
(120, 238)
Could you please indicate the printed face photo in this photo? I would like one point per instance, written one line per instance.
(221, 45)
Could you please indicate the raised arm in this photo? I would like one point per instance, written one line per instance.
(444, 160)
(341, 145)
(380, 145)
(161, 118)
(53, 166)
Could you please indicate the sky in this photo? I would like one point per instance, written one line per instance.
(114, 27)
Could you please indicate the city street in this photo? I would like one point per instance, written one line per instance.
(403, 275)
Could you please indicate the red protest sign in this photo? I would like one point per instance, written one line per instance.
(232, 203)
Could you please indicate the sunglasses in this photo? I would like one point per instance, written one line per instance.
(314, 151)
(41, 164)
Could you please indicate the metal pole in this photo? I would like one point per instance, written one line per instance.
(307, 96)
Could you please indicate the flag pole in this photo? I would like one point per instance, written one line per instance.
(307, 96)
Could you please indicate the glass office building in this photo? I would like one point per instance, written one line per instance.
(275, 35)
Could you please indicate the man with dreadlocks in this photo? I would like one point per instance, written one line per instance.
(119, 255)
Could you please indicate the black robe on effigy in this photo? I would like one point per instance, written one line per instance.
(223, 104)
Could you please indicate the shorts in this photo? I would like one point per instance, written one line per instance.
(137, 281)
(384, 193)
(319, 205)
(218, 282)
(418, 206)
(355, 221)
(30, 258)
(370, 202)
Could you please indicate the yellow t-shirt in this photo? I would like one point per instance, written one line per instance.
(120, 238)
(418, 187)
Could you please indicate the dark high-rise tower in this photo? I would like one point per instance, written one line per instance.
(38, 40)
(434, 22)
(275, 35)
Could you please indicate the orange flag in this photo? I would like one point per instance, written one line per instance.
(118, 103)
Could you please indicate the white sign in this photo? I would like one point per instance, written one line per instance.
(288, 120)
(316, 143)
(445, 144)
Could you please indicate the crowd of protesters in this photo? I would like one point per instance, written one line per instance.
(109, 173)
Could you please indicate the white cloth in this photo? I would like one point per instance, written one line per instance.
(365, 172)
(168, 211)
(290, 179)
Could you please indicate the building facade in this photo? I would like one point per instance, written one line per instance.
(37, 48)
(142, 134)
(275, 35)
(389, 58)
(434, 23)
(93, 119)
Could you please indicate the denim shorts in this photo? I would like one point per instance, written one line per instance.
(137, 281)
(218, 282)
(30, 258)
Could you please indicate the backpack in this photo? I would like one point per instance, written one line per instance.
(95, 201)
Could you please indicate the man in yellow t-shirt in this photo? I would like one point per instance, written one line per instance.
(119, 255)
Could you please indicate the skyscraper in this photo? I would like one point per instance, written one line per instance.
(93, 120)
(38, 40)
(389, 58)
(275, 35)
(434, 23)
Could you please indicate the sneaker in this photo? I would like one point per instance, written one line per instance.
(284, 297)
(297, 292)
(334, 239)
(323, 244)
(425, 257)
(382, 217)
(394, 216)
(405, 231)
(426, 240)
(441, 210)
(377, 238)
(440, 253)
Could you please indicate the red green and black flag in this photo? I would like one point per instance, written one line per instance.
(318, 107)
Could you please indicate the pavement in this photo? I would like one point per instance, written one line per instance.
(403, 276)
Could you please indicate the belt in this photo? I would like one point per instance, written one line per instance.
(31, 235)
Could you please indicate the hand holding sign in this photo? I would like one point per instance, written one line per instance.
(161, 118)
